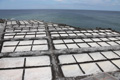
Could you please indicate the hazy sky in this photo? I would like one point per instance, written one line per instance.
(61, 4)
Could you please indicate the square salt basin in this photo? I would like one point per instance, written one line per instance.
(78, 40)
(38, 61)
(117, 52)
(103, 44)
(25, 42)
(8, 49)
(11, 62)
(71, 71)
(96, 39)
(82, 57)
(60, 46)
(93, 44)
(97, 56)
(64, 59)
(57, 41)
(90, 68)
(110, 54)
(87, 40)
(40, 47)
(68, 41)
(43, 73)
(14, 74)
(116, 62)
(72, 46)
(107, 66)
(40, 42)
(113, 43)
(83, 45)
(104, 39)
(23, 48)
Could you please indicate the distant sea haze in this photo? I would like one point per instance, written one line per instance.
(77, 18)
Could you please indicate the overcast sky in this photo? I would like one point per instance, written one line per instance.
(61, 4)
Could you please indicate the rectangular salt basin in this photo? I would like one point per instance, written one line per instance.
(118, 52)
(104, 39)
(26, 42)
(8, 22)
(78, 40)
(90, 68)
(72, 34)
(96, 39)
(63, 34)
(40, 47)
(10, 43)
(113, 43)
(95, 34)
(83, 45)
(68, 40)
(42, 73)
(11, 62)
(93, 44)
(88, 34)
(55, 35)
(107, 66)
(13, 74)
(64, 59)
(113, 39)
(8, 37)
(23, 48)
(40, 42)
(71, 71)
(97, 56)
(103, 44)
(38, 61)
(110, 54)
(72, 46)
(19, 36)
(8, 49)
(60, 46)
(82, 57)
(87, 40)
(57, 41)
(116, 62)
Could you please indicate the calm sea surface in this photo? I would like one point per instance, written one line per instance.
(77, 18)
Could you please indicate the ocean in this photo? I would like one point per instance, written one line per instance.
(77, 18)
